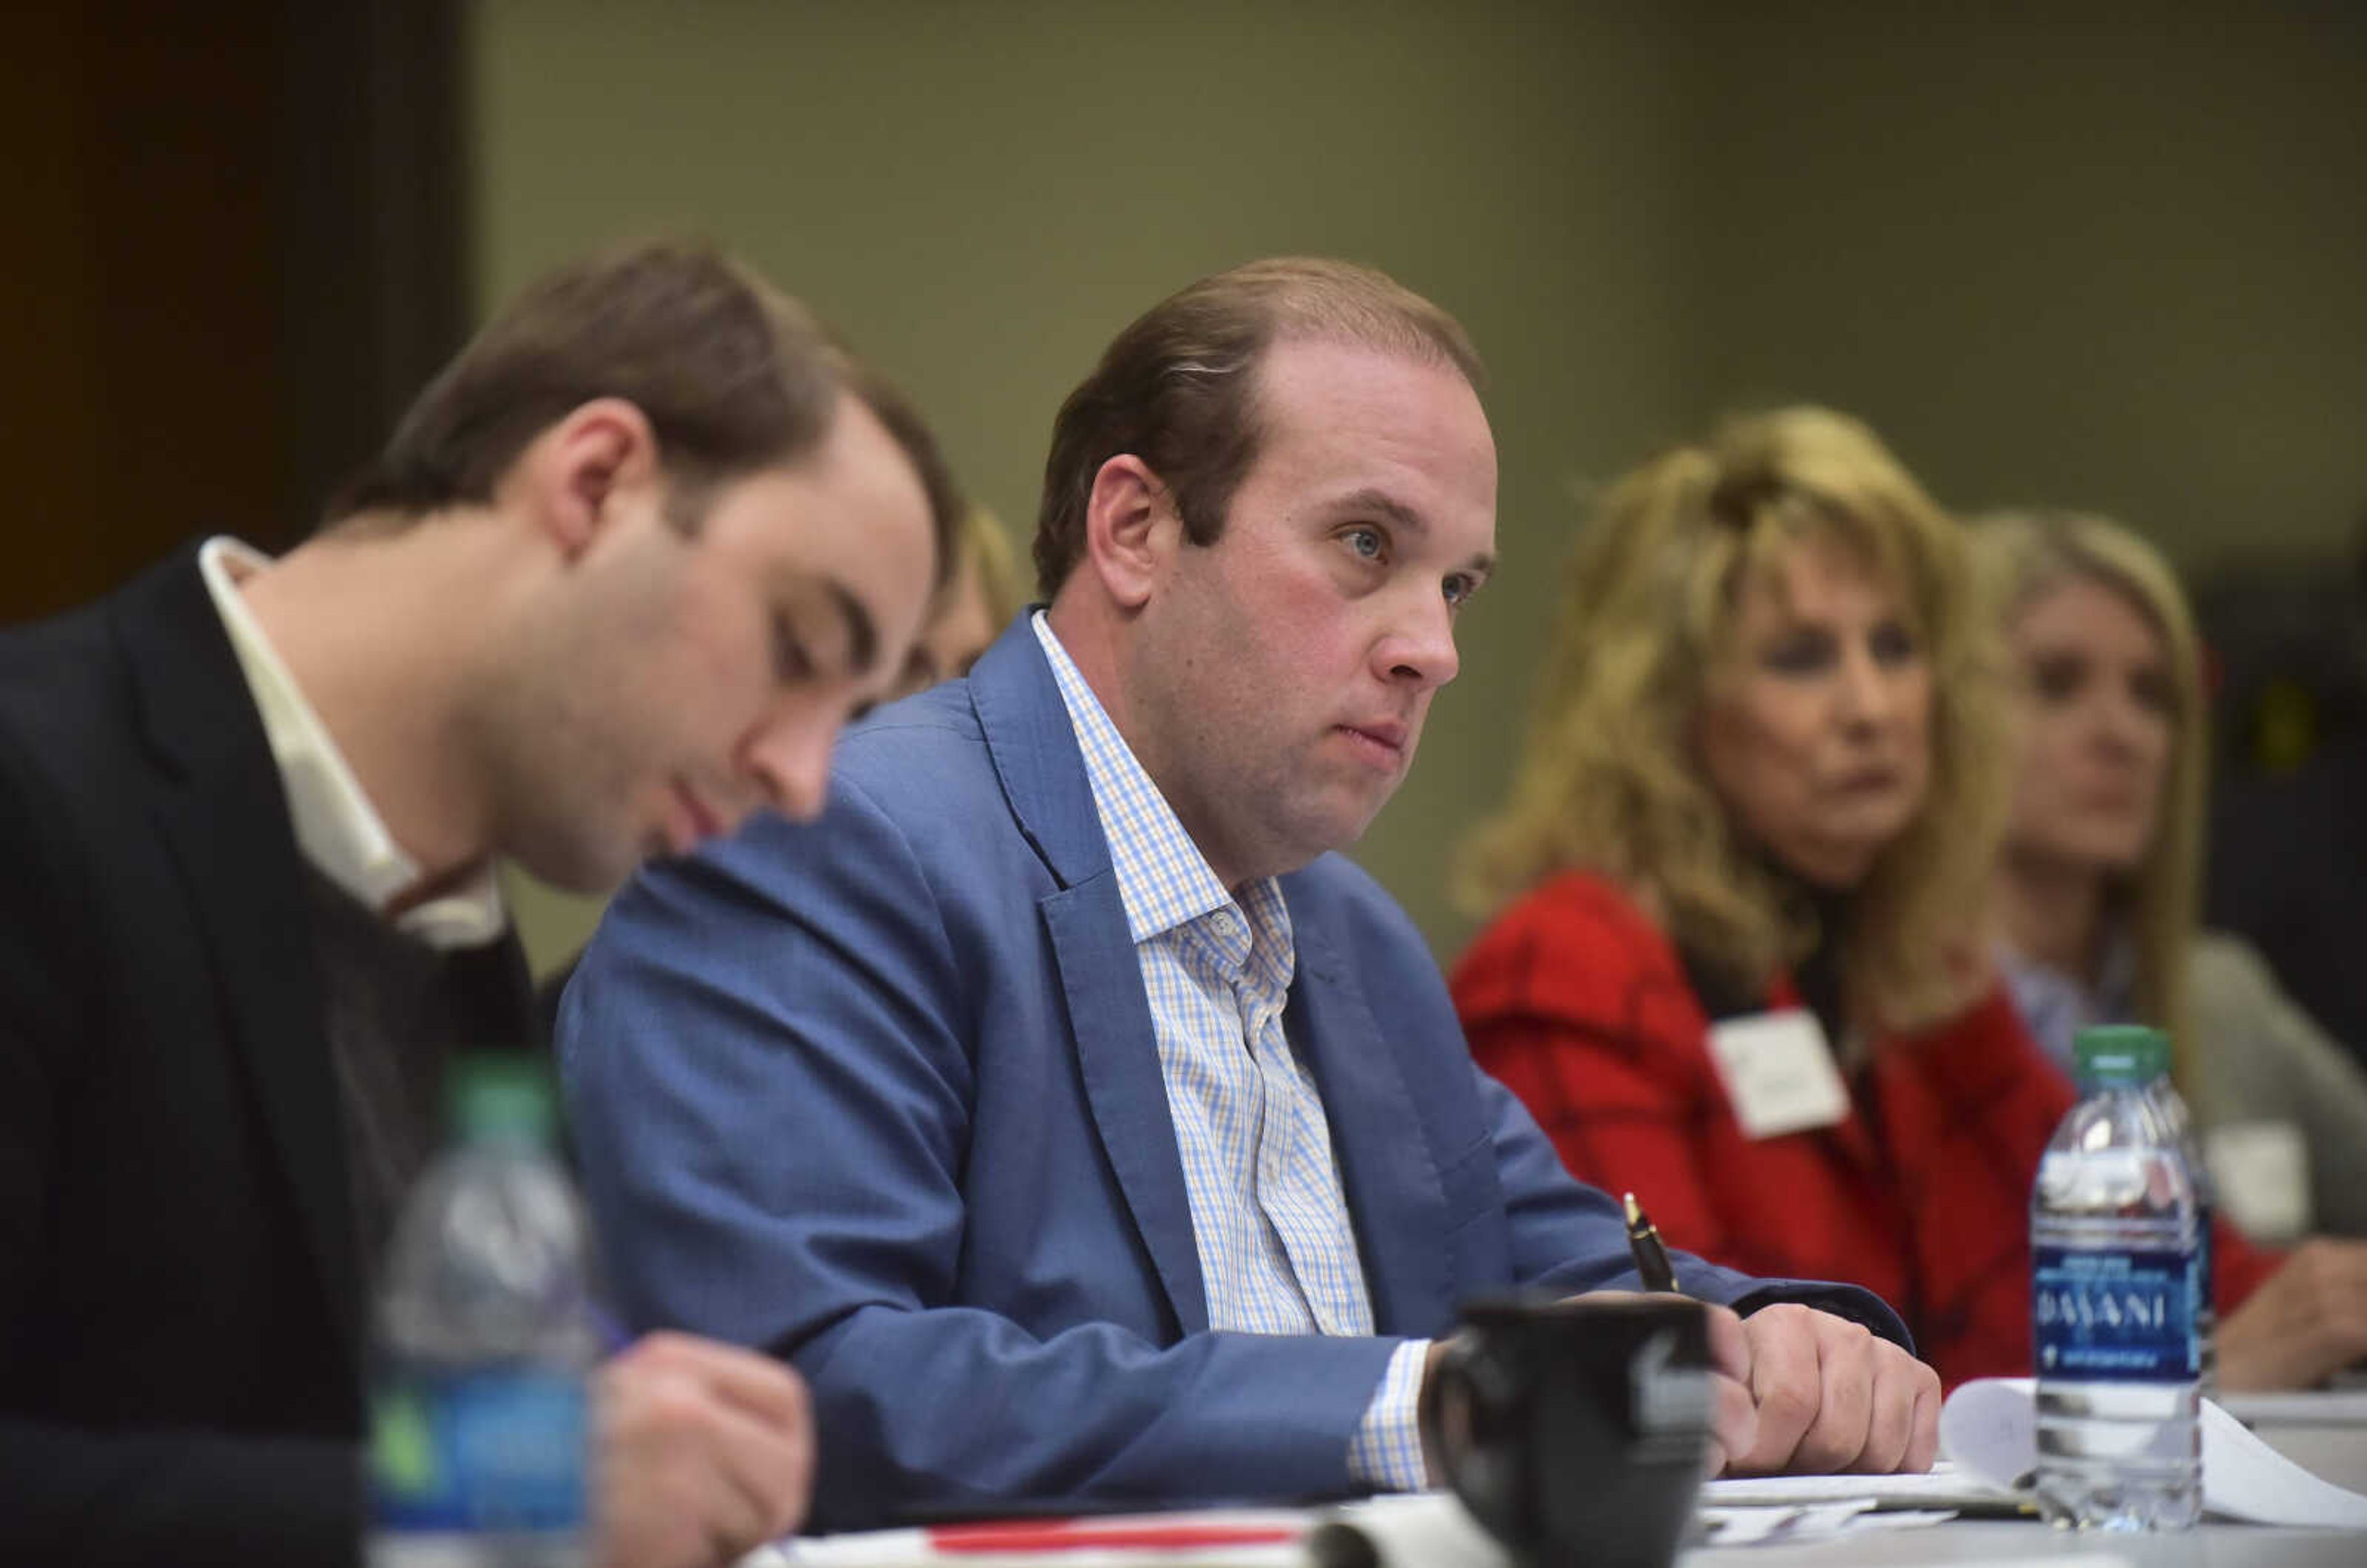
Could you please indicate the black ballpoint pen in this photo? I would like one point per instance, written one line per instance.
(1644, 1241)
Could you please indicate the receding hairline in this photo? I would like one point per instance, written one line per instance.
(1358, 306)
(1417, 350)
(1317, 301)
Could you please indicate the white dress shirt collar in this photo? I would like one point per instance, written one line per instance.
(1164, 881)
(337, 830)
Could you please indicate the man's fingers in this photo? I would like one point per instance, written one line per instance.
(1834, 1396)
(1895, 1409)
(763, 1385)
(664, 1502)
(1729, 1342)
(1783, 1385)
(706, 1452)
(1733, 1422)
(769, 1472)
(1923, 1447)
(1845, 1374)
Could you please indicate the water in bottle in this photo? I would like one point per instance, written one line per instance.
(2173, 1106)
(484, 1341)
(2113, 1271)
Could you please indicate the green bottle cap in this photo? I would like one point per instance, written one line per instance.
(500, 1099)
(2111, 1055)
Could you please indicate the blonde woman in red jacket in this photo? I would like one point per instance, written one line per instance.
(1737, 964)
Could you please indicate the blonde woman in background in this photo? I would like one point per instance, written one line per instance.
(1742, 970)
(984, 593)
(2096, 889)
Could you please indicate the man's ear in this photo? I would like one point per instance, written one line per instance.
(570, 477)
(1131, 529)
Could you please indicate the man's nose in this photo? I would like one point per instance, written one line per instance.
(1421, 646)
(788, 758)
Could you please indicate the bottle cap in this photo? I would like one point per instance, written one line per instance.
(2116, 1054)
(502, 1100)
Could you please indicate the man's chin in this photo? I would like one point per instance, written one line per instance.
(590, 872)
(1324, 833)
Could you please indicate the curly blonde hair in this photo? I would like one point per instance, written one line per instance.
(1610, 780)
(2024, 555)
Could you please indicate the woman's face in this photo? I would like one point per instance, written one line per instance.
(962, 628)
(1815, 731)
(2096, 729)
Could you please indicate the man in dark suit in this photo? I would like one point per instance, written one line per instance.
(613, 584)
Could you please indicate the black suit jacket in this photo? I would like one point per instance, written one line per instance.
(180, 1318)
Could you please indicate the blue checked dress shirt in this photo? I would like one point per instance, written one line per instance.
(1278, 1253)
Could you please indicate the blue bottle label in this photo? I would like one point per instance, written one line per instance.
(2126, 1316)
(2203, 1281)
(489, 1450)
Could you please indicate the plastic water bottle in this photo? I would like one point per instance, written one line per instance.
(2113, 1269)
(2173, 1106)
(485, 1336)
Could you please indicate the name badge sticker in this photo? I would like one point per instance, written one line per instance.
(1779, 1072)
(2261, 1169)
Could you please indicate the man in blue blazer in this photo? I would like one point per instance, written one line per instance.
(1077, 1123)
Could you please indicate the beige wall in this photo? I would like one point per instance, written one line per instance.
(2118, 264)
(2111, 262)
(981, 196)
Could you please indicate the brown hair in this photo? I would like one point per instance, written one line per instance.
(1175, 389)
(733, 376)
(948, 506)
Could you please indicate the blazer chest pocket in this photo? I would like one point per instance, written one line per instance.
(1468, 1181)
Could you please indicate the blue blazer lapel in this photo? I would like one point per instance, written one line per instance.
(1118, 1056)
(1035, 749)
(1390, 1173)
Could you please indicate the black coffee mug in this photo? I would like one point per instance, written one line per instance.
(1578, 1430)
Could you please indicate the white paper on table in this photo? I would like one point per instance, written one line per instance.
(1990, 1428)
(1759, 1527)
(2306, 1407)
(1219, 1543)
(1422, 1530)
(1788, 1526)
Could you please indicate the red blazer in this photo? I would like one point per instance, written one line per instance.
(1582, 1007)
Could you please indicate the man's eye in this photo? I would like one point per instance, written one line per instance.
(790, 661)
(920, 671)
(1366, 542)
(1458, 587)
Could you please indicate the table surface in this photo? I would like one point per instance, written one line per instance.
(2338, 1453)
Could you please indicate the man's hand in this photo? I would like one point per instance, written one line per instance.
(702, 1452)
(2306, 1320)
(1801, 1390)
